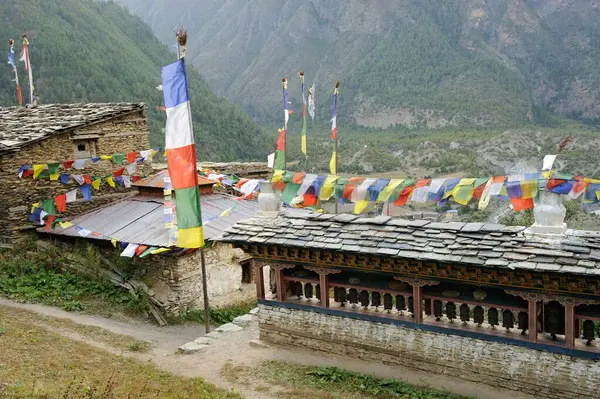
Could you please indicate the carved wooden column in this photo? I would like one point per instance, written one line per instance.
(323, 281)
(532, 310)
(279, 269)
(259, 278)
(570, 325)
(417, 287)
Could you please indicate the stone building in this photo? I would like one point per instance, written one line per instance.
(176, 278)
(511, 307)
(57, 133)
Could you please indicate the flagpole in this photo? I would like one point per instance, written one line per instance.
(335, 136)
(181, 36)
(286, 115)
(25, 57)
(304, 127)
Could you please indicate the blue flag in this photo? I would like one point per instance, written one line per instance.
(11, 58)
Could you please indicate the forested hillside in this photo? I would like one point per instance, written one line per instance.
(425, 63)
(96, 51)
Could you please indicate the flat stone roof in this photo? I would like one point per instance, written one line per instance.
(481, 244)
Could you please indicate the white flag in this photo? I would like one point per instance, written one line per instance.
(548, 162)
(311, 101)
(130, 250)
(71, 196)
(271, 160)
(130, 168)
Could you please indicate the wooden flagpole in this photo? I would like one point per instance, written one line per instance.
(181, 36)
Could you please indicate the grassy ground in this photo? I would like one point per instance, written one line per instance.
(217, 316)
(39, 363)
(289, 380)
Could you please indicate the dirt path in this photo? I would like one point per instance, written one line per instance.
(235, 348)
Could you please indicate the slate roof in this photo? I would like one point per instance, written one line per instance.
(20, 126)
(140, 219)
(491, 245)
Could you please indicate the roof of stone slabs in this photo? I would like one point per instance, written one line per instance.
(491, 245)
(20, 126)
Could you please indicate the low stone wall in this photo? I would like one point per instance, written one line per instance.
(539, 373)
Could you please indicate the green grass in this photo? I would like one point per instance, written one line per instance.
(35, 276)
(217, 316)
(329, 382)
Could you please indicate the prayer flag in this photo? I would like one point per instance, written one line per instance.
(68, 164)
(106, 157)
(387, 191)
(80, 164)
(13, 64)
(119, 172)
(48, 206)
(64, 178)
(37, 169)
(71, 196)
(65, 225)
(129, 250)
(61, 202)
(86, 191)
(181, 155)
(160, 251)
(131, 168)
(306, 183)
(126, 181)
(55, 176)
(96, 184)
(548, 162)
(87, 179)
(304, 150)
(84, 232)
(53, 168)
(333, 163)
(111, 181)
(311, 102)
(131, 156)
(147, 252)
(118, 158)
(521, 204)
(327, 188)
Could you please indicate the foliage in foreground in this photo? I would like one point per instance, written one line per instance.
(339, 383)
(35, 276)
(217, 316)
(38, 363)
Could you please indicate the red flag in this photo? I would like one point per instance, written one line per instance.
(61, 202)
(401, 201)
(87, 179)
(68, 164)
(49, 222)
(281, 141)
(118, 172)
(131, 157)
(520, 204)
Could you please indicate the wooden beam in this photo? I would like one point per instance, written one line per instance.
(259, 280)
(324, 286)
(533, 320)
(418, 303)
(280, 285)
(570, 326)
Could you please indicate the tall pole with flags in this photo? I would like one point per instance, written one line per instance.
(181, 159)
(280, 150)
(25, 58)
(13, 63)
(304, 149)
(333, 164)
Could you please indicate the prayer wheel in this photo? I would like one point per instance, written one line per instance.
(298, 290)
(523, 319)
(478, 315)
(318, 291)
(493, 317)
(465, 313)
(411, 306)
(450, 310)
(437, 309)
(336, 295)
(387, 302)
(353, 296)
(364, 298)
(400, 303)
(308, 290)
(554, 319)
(588, 331)
(508, 319)
(342, 296)
(375, 299)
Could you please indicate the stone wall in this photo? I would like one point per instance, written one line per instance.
(177, 281)
(542, 374)
(119, 135)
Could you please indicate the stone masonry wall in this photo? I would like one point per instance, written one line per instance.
(542, 374)
(119, 135)
(177, 281)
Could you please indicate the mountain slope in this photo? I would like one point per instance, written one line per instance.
(95, 51)
(412, 62)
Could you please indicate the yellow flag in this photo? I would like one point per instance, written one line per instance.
(304, 151)
(54, 176)
(167, 191)
(387, 191)
(332, 168)
(485, 196)
(360, 206)
(65, 225)
(96, 184)
(153, 152)
(33, 206)
(114, 242)
(37, 169)
(111, 182)
(106, 157)
(529, 189)
(226, 212)
(328, 187)
(160, 251)
(463, 194)
(598, 194)
(277, 175)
